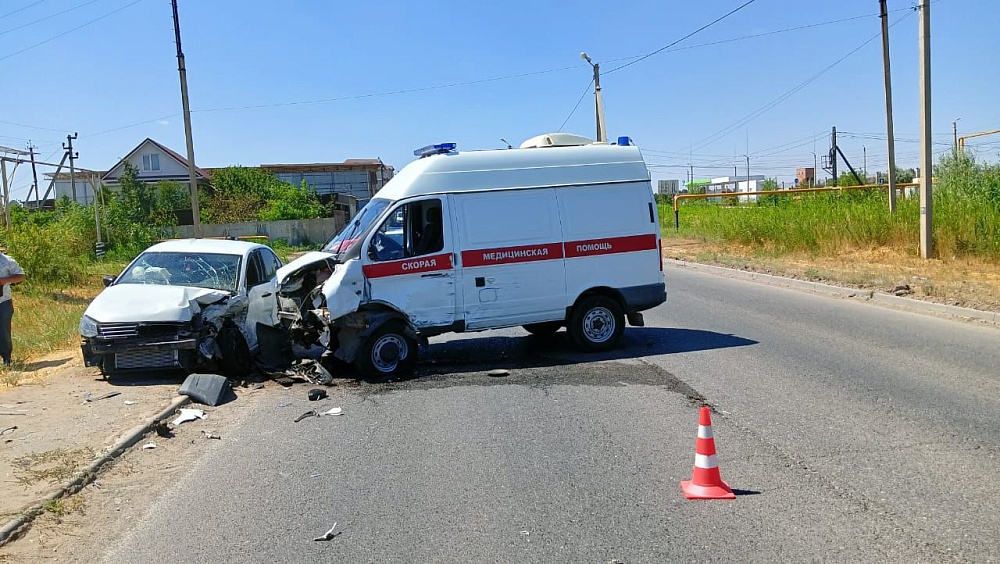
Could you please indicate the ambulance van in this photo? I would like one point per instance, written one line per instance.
(560, 232)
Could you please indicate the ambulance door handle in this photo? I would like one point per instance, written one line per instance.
(434, 275)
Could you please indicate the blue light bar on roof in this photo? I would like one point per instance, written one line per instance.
(435, 149)
(625, 141)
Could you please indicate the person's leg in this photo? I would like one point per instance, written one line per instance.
(6, 344)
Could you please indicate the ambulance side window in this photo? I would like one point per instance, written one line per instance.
(413, 230)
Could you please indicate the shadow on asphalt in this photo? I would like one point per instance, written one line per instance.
(541, 361)
(484, 353)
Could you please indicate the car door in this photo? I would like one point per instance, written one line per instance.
(413, 271)
(262, 300)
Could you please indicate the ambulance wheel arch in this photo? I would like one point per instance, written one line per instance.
(388, 345)
(388, 350)
(596, 322)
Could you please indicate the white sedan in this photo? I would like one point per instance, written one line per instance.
(181, 305)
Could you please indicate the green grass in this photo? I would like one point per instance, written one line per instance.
(966, 219)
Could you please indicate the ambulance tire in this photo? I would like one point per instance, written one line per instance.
(387, 351)
(596, 324)
(546, 328)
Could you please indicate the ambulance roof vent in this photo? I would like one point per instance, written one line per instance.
(556, 140)
(436, 149)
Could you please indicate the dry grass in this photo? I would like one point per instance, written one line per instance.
(967, 282)
(52, 466)
(46, 319)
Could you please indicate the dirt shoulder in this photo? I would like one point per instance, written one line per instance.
(959, 282)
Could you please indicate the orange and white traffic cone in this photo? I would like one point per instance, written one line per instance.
(705, 482)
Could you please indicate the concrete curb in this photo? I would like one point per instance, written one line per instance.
(19, 525)
(877, 297)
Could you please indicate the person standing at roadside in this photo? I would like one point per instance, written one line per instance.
(10, 273)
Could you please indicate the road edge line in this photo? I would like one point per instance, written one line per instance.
(20, 524)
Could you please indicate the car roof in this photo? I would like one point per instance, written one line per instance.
(222, 246)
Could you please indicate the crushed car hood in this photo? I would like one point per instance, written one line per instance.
(304, 262)
(150, 302)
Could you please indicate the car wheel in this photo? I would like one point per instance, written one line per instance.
(236, 361)
(387, 351)
(597, 324)
(547, 328)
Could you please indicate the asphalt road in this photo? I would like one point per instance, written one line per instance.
(851, 432)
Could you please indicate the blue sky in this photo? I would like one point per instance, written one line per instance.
(319, 81)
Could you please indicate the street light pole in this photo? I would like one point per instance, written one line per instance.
(192, 178)
(602, 134)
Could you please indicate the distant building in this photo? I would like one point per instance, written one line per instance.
(668, 187)
(735, 184)
(358, 178)
(805, 176)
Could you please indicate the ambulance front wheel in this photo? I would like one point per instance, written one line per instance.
(387, 351)
(597, 324)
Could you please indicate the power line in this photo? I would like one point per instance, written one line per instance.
(113, 129)
(585, 92)
(763, 109)
(49, 17)
(83, 25)
(21, 9)
(700, 29)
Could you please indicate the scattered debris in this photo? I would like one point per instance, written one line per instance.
(282, 405)
(148, 446)
(498, 373)
(163, 431)
(329, 535)
(105, 396)
(188, 415)
(257, 386)
(13, 413)
(129, 402)
(211, 435)
(525, 533)
(334, 411)
(306, 415)
(316, 394)
(10, 429)
(901, 290)
(208, 389)
(315, 476)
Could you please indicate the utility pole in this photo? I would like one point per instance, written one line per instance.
(602, 133)
(34, 173)
(6, 194)
(954, 133)
(864, 164)
(748, 172)
(68, 146)
(888, 106)
(192, 178)
(833, 156)
(926, 156)
(814, 169)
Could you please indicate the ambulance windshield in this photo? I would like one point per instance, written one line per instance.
(357, 226)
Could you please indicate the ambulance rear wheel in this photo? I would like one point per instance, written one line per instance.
(546, 328)
(387, 351)
(597, 324)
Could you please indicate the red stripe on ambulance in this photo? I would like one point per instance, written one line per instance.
(414, 265)
(506, 255)
(610, 245)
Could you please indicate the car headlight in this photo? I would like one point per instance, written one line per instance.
(88, 327)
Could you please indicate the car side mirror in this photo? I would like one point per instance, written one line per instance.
(108, 279)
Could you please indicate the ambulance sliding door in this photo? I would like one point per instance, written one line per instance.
(511, 257)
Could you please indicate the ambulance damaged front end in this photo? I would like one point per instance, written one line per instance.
(321, 293)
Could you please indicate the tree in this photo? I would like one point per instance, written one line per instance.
(251, 194)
